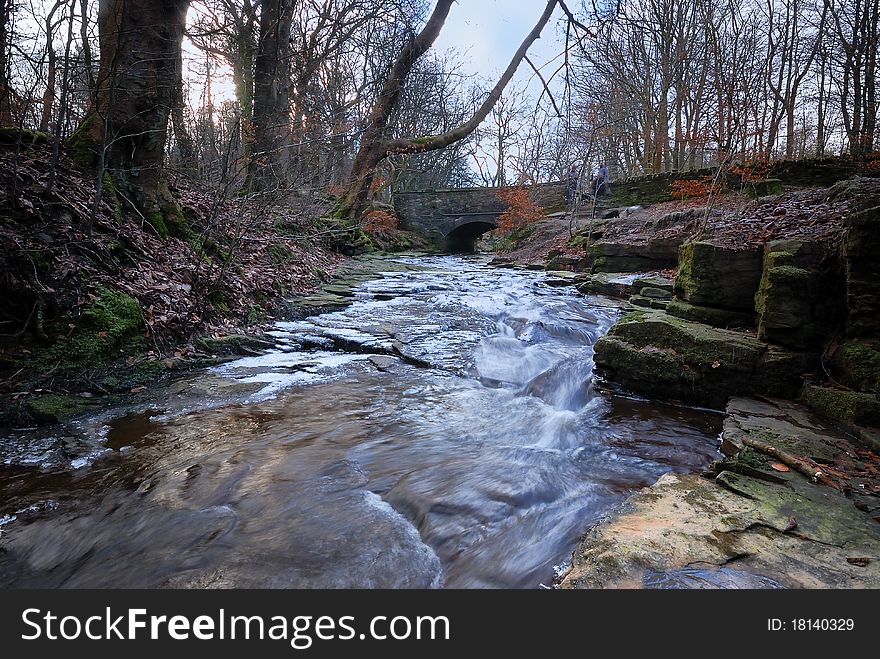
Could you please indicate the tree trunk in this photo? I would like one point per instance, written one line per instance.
(375, 147)
(272, 95)
(140, 41)
(5, 91)
(185, 146)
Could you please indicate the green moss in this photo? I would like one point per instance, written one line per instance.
(157, 221)
(847, 407)
(859, 362)
(753, 458)
(280, 254)
(789, 275)
(53, 408)
(112, 194)
(684, 279)
(82, 147)
(111, 318)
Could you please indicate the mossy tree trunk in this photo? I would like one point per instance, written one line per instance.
(376, 145)
(137, 81)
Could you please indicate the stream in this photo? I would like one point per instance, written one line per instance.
(444, 430)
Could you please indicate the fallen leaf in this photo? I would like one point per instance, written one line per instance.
(778, 466)
(792, 524)
(169, 363)
(716, 364)
(861, 561)
(137, 390)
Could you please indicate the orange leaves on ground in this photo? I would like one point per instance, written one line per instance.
(521, 210)
(872, 160)
(692, 188)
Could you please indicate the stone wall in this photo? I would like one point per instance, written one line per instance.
(430, 212)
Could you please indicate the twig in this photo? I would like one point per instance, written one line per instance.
(806, 467)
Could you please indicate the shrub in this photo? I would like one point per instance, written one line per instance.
(521, 210)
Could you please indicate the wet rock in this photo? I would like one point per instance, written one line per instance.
(233, 344)
(640, 301)
(655, 293)
(606, 284)
(720, 277)
(54, 408)
(568, 263)
(655, 354)
(686, 521)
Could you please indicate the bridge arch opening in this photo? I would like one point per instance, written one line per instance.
(462, 239)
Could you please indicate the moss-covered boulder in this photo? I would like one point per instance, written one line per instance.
(797, 299)
(862, 261)
(655, 354)
(54, 408)
(110, 319)
(720, 277)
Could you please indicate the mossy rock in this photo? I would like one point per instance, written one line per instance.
(857, 362)
(655, 293)
(11, 136)
(797, 299)
(659, 355)
(110, 319)
(861, 249)
(723, 318)
(718, 276)
(640, 301)
(54, 408)
(849, 408)
(82, 146)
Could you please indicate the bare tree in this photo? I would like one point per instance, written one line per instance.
(375, 146)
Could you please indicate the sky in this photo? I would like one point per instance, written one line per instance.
(488, 32)
(485, 33)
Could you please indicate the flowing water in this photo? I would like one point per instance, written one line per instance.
(443, 430)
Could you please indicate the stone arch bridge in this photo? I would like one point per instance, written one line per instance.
(454, 219)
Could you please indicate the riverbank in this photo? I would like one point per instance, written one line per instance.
(747, 302)
(101, 303)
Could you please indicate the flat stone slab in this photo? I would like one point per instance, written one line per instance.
(746, 531)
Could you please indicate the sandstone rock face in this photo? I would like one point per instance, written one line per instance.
(862, 263)
(652, 353)
(780, 528)
(626, 257)
(718, 277)
(797, 298)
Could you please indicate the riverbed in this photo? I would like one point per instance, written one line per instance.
(442, 430)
